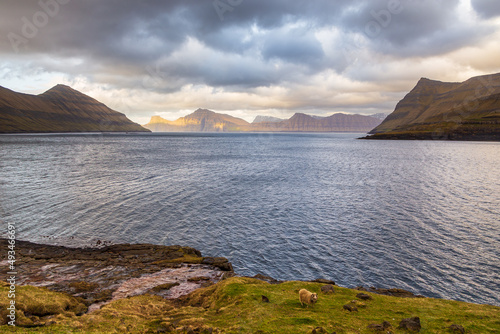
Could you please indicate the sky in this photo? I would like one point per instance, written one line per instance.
(245, 57)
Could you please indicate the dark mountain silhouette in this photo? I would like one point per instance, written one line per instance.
(60, 109)
(469, 110)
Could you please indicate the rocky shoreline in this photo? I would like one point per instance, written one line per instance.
(98, 276)
(165, 283)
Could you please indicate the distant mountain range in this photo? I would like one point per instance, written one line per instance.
(60, 109)
(203, 120)
(469, 110)
(266, 119)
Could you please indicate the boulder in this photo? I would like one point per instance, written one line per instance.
(350, 307)
(394, 292)
(384, 326)
(198, 279)
(411, 324)
(364, 296)
(267, 279)
(220, 262)
(323, 281)
(327, 289)
(357, 303)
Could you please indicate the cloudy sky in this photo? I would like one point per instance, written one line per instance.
(245, 57)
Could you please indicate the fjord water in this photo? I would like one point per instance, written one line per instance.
(417, 215)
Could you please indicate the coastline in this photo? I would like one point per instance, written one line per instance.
(452, 136)
(98, 279)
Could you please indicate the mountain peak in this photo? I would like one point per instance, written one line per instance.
(450, 110)
(203, 111)
(61, 88)
(427, 82)
(203, 120)
(266, 119)
(300, 115)
(60, 109)
(156, 119)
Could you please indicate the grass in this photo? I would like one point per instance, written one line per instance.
(235, 306)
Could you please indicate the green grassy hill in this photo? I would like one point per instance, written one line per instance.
(236, 305)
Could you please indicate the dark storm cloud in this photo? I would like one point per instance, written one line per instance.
(242, 43)
(487, 8)
(413, 27)
(400, 22)
(294, 45)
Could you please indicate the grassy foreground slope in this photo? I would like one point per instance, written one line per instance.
(235, 305)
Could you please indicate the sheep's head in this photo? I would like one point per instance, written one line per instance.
(314, 298)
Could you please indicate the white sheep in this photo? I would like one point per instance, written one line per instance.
(307, 297)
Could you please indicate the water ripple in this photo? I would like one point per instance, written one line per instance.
(416, 215)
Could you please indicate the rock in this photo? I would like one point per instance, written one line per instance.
(265, 299)
(360, 288)
(267, 279)
(350, 307)
(357, 303)
(227, 274)
(220, 262)
(166, 286)
(457, 329)
(207, 284)
(319, 330)
(364, 296)
(327, 289)
(410, 324)
(384, 326)
(80, 286)
(394, 292)
(323, 281)
(198, 279)
(99, 275)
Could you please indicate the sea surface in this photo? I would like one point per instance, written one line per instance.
(418, 215)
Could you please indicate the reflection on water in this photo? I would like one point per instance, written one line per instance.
(416, 215)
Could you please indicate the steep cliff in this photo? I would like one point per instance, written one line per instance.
(202, 120)
(438, 110)
(60, 109)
